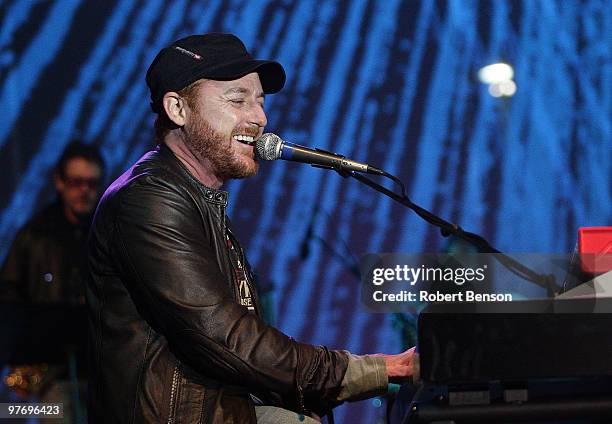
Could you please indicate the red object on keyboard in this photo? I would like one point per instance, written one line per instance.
(595, 249)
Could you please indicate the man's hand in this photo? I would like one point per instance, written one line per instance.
(400, 367)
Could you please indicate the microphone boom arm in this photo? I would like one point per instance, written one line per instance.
(447, 229)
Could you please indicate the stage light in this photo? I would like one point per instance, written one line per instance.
(496, 72)
(499, 77)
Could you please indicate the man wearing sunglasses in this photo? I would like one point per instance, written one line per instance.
(45, 262)
(43, 275)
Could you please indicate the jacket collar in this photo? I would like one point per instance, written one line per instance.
(211, 195)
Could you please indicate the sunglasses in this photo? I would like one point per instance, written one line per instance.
(77, 182)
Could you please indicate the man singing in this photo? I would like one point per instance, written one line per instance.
(176, 333)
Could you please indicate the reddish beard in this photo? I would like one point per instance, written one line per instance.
(209, 144)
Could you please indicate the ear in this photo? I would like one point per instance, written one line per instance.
(175, 107)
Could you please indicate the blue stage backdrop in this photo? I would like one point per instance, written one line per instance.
(392, 83)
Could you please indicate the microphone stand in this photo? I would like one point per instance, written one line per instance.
(447, 229)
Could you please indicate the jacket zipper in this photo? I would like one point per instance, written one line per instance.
(300, 390)
(301, 400)
(173, 391)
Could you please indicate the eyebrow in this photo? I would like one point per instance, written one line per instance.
(242, 90)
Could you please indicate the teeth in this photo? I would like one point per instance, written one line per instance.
(245, 138)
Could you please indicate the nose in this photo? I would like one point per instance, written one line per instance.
(258, 116)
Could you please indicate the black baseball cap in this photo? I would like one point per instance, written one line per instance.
(214, 56)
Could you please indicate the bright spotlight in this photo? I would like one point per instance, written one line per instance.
(499, 78)
(496, 72)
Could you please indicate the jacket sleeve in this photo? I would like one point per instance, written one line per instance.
(366, 377)
(168, 264)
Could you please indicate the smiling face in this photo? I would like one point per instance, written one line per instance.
(224, 120)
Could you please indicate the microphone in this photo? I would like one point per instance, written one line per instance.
(272, 147)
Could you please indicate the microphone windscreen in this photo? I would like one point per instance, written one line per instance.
(269, 147)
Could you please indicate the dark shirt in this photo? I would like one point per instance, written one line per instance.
(46, 261)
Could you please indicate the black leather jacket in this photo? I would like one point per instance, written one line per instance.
(169, 340)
